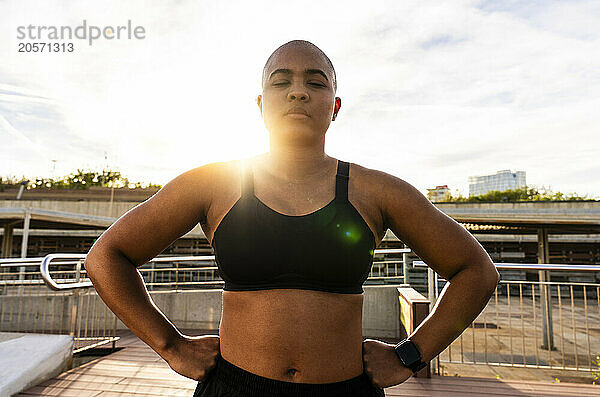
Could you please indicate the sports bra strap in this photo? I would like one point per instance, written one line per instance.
(341, 181)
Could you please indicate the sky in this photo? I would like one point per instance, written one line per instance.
(432, 92)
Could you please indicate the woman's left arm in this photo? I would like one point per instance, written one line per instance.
(453, 253)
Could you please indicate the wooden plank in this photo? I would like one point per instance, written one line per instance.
(84, 377)
(133, 373)
(488, 387)
(138, 389)
(59, 391)
(137, 370)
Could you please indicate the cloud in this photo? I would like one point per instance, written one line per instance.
(442, 40)
(431, 91)
(577, 18)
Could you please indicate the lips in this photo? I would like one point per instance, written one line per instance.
(297, 110)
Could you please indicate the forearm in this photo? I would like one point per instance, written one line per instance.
(459, 304)
(121, 287)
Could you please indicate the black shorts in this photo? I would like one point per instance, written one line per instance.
(228, 380)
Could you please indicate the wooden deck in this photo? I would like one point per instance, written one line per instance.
(136, 371)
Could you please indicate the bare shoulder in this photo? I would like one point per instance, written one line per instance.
(385, 187)
(394, 195)
(200, 184)
(151, 226)
(364, 192)
(378, 185)
(440, 241)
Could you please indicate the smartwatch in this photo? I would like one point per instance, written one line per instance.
(409, 355)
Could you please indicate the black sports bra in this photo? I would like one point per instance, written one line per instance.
(258, 248)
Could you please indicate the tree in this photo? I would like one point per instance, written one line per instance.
(80, 179)
(527, 193)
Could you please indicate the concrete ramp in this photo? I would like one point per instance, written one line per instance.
(29, 359)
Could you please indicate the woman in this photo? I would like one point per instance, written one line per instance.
(294, 232)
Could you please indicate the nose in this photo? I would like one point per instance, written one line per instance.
(298, 94)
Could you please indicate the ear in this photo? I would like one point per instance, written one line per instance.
(336, 108)
(259, 103)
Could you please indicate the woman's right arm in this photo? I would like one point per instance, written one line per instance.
(135, 238)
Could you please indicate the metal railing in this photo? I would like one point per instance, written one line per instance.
(518, 327)
(52, 294)
(32, 301)
(192, 272)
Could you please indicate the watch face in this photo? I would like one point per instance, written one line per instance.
(408, 353)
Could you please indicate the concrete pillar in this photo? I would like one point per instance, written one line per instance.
(7, 242)
(24, 243)
(431, 288)
(25, 240)
(545, 291)
(405, 268)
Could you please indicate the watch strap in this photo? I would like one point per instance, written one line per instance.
(417, 367)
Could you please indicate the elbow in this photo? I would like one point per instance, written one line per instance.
(486, 274)
(98, 260)
(93, 263)
(491, 274)
(496, 277)
(95, 254)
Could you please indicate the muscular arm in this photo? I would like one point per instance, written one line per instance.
(451, 251)
(135, 238)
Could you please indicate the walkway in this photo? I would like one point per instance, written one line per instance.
(137, 371)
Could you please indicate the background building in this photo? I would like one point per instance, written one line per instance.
(440, 193)
(501, 180)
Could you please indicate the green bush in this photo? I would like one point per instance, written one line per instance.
(596, 373)
(80, 179)
(527, 193)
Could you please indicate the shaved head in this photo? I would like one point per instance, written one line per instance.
(298, 44)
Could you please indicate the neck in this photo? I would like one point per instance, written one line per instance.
(297, 165)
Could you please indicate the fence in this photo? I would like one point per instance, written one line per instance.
(53, 295)
(541, 324)
(519, 328)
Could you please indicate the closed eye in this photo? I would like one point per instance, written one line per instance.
(310, 83)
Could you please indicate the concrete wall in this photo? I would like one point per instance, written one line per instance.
(117, 208)
(95, 208)
(186, 309)
(92, 193)
(571, 209)
(381, 316)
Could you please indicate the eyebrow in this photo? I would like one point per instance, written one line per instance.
(307, 71)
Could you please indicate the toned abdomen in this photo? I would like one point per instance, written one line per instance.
(293, 335)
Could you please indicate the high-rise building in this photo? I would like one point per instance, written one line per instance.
(501, 180)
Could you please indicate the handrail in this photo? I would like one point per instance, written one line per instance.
(45, 265)
(45, 272)
(393, 251)
(17, 261)
(533, 266)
